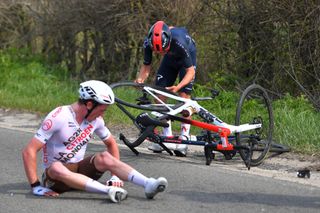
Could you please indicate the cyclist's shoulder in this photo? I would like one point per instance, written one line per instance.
(178, 32)
(60, 114)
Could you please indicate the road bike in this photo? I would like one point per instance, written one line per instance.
(250, 135)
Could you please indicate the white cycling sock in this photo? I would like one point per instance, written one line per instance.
(166, 131)
(96, 187)
(185, 129)
(137, 178)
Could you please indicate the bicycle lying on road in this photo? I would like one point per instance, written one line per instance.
(251, 135)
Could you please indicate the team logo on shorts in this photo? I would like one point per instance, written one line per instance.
(47, 124)
(159, 77)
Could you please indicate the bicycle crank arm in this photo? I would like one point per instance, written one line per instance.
(247, 162)
(165, 148)
(126, 142)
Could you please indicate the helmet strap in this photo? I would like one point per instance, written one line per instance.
(94, 105)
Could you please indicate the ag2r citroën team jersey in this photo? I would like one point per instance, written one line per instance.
(65, 140)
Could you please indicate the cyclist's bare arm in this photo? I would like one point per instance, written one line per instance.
(144, 73)
(112, 146)
(29, 156)
(190, 73)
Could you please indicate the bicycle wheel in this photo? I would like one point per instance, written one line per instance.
(254, 106)
(279, 148)
(135, 95)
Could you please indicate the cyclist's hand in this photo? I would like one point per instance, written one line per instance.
(43, 191)
(138, 81)
(173, 89)
(115, 181)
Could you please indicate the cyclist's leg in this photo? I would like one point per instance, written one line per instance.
(65, 177)
(167, 73)
(84, 167)
(105, 161)
(56, 185)
(166, 76)
(186, 91)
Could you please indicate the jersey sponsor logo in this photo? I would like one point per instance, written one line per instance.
(64, 157)
(45, 154)
(57, 112)
(47, 124)
(75, 143)
(78, 137)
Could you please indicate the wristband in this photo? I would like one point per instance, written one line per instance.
(37, 183)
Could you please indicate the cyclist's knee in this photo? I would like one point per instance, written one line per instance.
(57, 171)
(104, 161)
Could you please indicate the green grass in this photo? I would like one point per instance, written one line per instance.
(297, 124)
(28, 83)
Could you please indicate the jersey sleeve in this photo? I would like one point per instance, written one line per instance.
(147, 52)
(102, 131)
(49, 126)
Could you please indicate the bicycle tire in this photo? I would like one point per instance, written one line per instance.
(255, 106)
(135, 91)
(279, 148)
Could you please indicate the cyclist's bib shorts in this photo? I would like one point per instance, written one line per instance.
(170, 68)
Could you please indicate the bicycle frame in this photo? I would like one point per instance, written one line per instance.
(221, 131)
(209, 145)
(194, 104)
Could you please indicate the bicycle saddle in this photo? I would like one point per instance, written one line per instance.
(144, 120)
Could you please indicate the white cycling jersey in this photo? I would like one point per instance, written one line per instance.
(65, 140)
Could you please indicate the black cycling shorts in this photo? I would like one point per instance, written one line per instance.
(170, 68)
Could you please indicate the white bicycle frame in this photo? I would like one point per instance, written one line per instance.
(197, 108)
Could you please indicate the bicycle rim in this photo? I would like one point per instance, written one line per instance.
(279, 148)
(254, 107)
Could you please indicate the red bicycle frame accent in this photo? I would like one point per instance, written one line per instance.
(223, 131)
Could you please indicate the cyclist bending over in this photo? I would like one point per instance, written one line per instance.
(63, 139)
(179, 58)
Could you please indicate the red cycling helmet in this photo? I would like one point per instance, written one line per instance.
(159, 37)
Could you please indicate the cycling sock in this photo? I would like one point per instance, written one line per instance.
(185, 129)
(96, 187)
(166, 131)
(137, 178)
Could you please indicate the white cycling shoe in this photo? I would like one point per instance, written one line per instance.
(117, 194)
(154, 186)
(158, 149)
(179, 150)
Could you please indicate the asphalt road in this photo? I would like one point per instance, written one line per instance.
(193, 187)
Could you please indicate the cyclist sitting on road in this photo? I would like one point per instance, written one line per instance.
(179, 57)
(63, 138)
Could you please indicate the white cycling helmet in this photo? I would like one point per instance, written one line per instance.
(96, 90)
